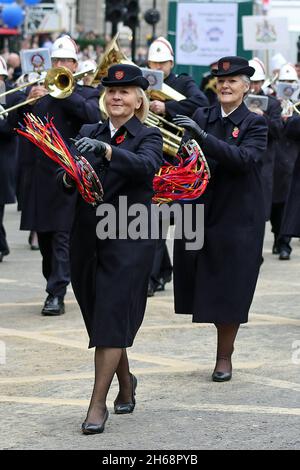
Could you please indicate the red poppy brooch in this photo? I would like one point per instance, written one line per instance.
(235, 132)
(121, 138)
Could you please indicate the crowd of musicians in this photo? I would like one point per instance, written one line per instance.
(253, 155)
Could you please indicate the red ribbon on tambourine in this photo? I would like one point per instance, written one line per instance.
(44, 135)
(186, 179)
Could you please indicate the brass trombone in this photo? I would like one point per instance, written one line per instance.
(59, 82)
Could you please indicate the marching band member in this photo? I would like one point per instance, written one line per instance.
(216, 284)
(8, 158)
(161, 57)
(45, 208)
(286, 154)
(208, 84)
(110, 277)
(275, 127)
(290, 226)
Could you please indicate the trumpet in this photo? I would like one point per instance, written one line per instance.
(59, 82)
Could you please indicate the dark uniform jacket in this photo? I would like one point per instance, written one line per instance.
(195, 98)
(287, 149)
(8, 152)
(275, 129)
(208, 86)
(291, 217)
(216, 284)
(45, 207)
(110, 277)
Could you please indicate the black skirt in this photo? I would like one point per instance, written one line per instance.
(110, 282)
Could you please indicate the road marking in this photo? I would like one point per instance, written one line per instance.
(215, 407)
(253, 409)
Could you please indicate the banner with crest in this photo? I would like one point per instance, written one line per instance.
(205, 32)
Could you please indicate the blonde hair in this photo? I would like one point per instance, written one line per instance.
(140, 113)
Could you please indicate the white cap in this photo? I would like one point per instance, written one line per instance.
(160, 51)
(288, 72)
(64, 48)
(277, 61)
(259, 68)
(3, 67)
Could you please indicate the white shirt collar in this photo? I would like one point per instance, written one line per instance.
(112, 129)
(224, 114)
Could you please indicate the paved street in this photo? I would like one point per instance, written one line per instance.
(46, 370)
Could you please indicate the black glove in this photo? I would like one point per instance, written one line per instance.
(68, 181)
(188, 123)
(85, 144)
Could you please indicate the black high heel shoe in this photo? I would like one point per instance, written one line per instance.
(125, 408)
(219, 376)
(91, 428)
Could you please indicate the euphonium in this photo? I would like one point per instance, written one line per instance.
(171, 133)
(112, 55)
(171, 137)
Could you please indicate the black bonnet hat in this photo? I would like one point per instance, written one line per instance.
(233, 65)
(125, 75)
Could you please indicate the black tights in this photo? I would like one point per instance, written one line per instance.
(108, 361)
(226, 336)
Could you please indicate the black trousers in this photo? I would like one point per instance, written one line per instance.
(3, 242)
(54, 248)
(281, 242)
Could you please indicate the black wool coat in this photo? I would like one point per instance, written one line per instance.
(9, 151)
(45, 207)
(216, 283)
(110, 276)
(287, 149)
(291, 218)
(275, 130)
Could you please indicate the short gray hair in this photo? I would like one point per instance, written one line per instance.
(247, 81)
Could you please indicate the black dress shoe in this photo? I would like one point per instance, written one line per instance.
(53, 306)
(150, 292)
(33, 241)
(275, 250)
(34, 247)
(125, 408)
(91, 428)
(221, 376)
(284, 255)
(3, 253)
